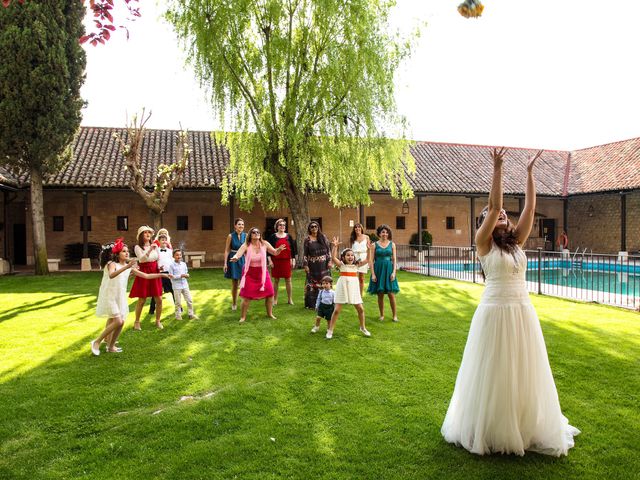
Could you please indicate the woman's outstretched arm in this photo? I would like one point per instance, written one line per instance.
(483, 235)
(239, 253)
(523, 229)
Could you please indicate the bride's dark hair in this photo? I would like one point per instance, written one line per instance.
(505, 239)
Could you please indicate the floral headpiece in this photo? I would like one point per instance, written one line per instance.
(118, 245)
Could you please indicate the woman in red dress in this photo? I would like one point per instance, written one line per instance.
(143, 288)
(285, 262)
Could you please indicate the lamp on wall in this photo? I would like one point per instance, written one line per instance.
(590, 211)
(405, 208)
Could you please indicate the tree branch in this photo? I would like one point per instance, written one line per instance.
(253, 104)
(131, 152)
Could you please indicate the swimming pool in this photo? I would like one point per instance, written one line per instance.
(532, 266)
(613, 278)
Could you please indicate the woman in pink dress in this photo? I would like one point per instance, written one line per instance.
(256, 282)
(143, 288)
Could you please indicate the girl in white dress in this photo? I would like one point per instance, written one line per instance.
(505, 398)
(347, 288)
(360, 243)
(112, 297)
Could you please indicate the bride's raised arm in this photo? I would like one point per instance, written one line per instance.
(525, 222)
(484, 233)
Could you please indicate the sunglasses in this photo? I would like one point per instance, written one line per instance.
(313, 226)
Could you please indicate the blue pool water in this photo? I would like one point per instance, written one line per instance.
(532, 265)
(609, 277)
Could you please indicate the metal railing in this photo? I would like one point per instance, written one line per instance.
(579, 275)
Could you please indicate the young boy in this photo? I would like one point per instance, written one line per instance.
(179, 274)
(165, 258)
(324, 303)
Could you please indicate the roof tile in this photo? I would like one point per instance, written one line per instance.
(440, 167)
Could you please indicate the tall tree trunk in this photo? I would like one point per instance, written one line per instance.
(37, 221)
(299, 208)
(156, 219)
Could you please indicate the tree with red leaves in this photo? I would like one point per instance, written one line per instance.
(103, 19)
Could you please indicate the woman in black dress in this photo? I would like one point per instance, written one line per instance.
(317, 263)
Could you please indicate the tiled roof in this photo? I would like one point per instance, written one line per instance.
(7, 178)
(98, 163)
(456, 168)
(440, 167)
(610, 167)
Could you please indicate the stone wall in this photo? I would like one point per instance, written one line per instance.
(594, 222)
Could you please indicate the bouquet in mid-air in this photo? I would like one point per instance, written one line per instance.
(471, 8)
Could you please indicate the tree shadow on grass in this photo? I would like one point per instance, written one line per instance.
(347, 408)
(61, 283)
(33, 306)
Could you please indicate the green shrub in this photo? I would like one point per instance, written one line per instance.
(427, 238)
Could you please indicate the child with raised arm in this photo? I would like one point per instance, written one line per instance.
(348, 286)
(179, 274)
(112, 297)
(324, 303)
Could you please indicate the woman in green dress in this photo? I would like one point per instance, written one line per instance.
(383, 262)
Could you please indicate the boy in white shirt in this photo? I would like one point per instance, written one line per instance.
(165, 258)
(179, 274)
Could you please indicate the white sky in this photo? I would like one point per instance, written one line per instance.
(555, 74)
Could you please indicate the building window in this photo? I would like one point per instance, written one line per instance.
(400, 223)
(207, 222)
(424, 223)
(58, 224)
(451, 223)
(318, 220)
(370, 223)
(122, 223)
(268, 228)
(88, 223)
(182, 222)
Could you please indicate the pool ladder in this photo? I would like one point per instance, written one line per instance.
(576, 264)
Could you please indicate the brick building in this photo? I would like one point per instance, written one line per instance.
(594, 194)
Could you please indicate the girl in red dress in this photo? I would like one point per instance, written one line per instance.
(143, 288)
(256, 282)
(285, 262)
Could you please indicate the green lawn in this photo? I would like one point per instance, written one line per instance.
(270, 400)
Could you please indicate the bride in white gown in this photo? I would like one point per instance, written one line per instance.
(505, 399)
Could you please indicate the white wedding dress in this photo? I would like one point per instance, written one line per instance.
(505, 399)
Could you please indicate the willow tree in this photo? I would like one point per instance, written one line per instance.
(41, 72)
(307, 88)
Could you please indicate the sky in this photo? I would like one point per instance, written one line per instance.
(553, 74)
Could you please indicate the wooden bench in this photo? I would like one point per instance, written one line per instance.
(195, 257)
(54, 264)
